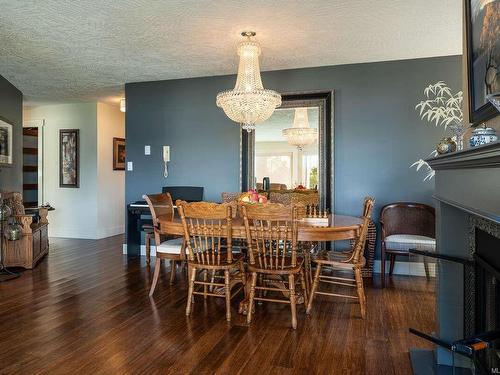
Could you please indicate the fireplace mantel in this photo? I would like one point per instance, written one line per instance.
(470, 180)
(487, 156)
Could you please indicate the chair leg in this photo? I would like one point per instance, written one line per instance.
(227, 290)
(205, 286)
(314, 287)
(426, 267)
(243, 275)
(293, 305)
(192, 277)
(212, 280)
(382, 264)
(155, 276)
(393, 260)
(361, 291)
(304, 287)
(252, 296)
(173, 268)
(147, 241)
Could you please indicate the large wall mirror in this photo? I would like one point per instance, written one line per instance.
(293, 159)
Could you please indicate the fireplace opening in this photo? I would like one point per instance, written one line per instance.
(487, 294)
(480, 274)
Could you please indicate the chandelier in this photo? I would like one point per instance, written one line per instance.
(248, 103)
(301, 134)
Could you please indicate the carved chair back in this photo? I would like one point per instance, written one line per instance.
(408, 218)
(271, 232)
(159, 205)
(359, 245)
(207, 231)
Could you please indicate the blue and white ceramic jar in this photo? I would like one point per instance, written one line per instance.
(483, 135)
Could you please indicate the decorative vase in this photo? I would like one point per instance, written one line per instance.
(459, 132)
(482, 135)
(5, 212)
(446, 145)
(266, 183)
(14, 231)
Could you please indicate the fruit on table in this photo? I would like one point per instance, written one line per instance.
(253, 197)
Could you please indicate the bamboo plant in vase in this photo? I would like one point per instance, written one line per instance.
(442, 108)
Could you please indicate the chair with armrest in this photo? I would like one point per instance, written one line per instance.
(161, 205)
(406, 225)
(351, 262)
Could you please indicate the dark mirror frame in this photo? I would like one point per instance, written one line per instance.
(325, 101)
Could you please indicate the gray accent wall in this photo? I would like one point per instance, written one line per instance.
(378, 133)
(11, 111)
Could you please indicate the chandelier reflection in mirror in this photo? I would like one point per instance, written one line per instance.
(300, 134)
(248, 103)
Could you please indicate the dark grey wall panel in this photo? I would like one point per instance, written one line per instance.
(11, 110)
(378, 133)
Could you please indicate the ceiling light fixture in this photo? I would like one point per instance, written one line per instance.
(301, 134)
(122, 105)
(248, 103)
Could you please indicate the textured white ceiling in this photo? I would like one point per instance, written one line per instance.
(65, 50)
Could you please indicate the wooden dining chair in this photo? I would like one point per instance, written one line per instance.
(208, 237)
(341, 261)
(171, 249)
(271, 232)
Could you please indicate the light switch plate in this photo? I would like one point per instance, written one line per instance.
(147, 150)
(130, 166)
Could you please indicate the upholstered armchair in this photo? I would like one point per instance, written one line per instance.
(406, 226)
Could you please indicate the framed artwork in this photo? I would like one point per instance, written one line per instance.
(69, 163)
(482, 18)
(5, 144)
(119, 154)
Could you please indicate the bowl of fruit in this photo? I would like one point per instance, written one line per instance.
(252, 196)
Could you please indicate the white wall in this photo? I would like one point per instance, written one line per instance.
(75, 214)
(97, 208)
(111, 184)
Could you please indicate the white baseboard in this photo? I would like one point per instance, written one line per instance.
(406, 268)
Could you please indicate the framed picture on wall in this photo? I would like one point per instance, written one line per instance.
(119, 154)
(5, 144)
(69, 155)
(482, 20)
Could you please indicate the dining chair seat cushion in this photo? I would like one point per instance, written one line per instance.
(287, 266)
(172, 246)
(404, 242)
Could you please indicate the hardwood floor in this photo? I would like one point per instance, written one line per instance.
(85, 310)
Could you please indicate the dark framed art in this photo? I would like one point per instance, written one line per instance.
(482, 20)
(5, 143)
(69, 158)
(119, 154)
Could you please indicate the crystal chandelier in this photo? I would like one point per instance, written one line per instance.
(301, 134)
(248, 103)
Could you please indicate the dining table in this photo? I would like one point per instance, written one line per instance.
(338, 227)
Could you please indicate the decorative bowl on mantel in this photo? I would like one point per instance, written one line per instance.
(482, 135)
